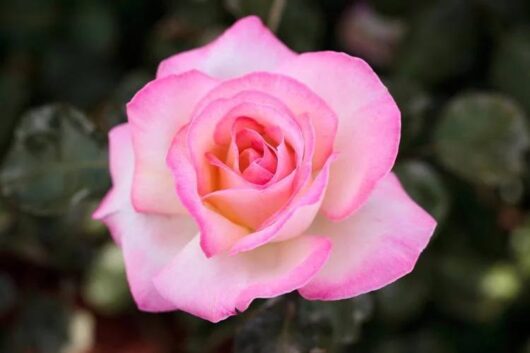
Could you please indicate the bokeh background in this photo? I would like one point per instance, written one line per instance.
(460, 72)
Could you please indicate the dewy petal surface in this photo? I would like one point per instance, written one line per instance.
(245, 47)
(369, 125)
(148, 241)
(218, 287)
(156, 113)
(373, 247)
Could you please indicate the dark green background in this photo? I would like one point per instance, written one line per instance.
(460, 72)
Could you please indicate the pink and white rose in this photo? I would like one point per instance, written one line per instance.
(249, 171)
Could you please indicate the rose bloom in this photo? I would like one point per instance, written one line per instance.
(246, 171)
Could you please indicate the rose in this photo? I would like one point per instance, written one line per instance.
(248, 171)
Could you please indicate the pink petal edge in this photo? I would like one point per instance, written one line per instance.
(368, 130)
(245, 47)
(219, 287)
(148, 242)
(372, 248)
(156, 113)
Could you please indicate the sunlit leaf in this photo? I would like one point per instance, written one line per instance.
(106, 287)
(520, 247)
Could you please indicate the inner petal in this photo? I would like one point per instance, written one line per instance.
(247, 157)
(257, 153)
(271, 130)
(256, 174)
(269, 160)
(248, 138)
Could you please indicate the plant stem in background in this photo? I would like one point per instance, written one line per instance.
(275, 14)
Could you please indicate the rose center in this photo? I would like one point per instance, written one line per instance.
(257, 157)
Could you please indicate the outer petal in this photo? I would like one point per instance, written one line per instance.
(369, 125)
(372, 248)
(156, 113)
(217, 288)
(148, 241)
(245, 47)
(121, 162)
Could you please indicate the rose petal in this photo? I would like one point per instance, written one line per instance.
(156, 113)
(369, 124)
(257, 174)
(245, 47)
(217, 232)
(121, 164)
(372, 248)
(293, 219)
(296, 97)
(148, 242)
(222, 113)
(217, 288)
(250, 206)
(230, 179)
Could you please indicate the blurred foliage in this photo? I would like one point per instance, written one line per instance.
(460, 73)
(54, 162)
(483, 138)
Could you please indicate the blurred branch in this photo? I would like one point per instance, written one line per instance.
(275, 14)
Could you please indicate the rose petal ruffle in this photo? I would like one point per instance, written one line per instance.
(148, 241)
(216, 288)
(156, 113)
(297, 98)
(373, 247)
(245, 47)
(369, 124)
(167, 269)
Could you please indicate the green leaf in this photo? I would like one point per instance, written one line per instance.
(92, 26)
(425, 186)
(410, 292)
(106, 286)
(482, 138)
(510, 70)
(520, 247)
(8, 293)
(270, 329)
(413, 102)
(13, 95)
(485, 289)
(55, 161)
(41, 326)
(441, 43)
(291, 324)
